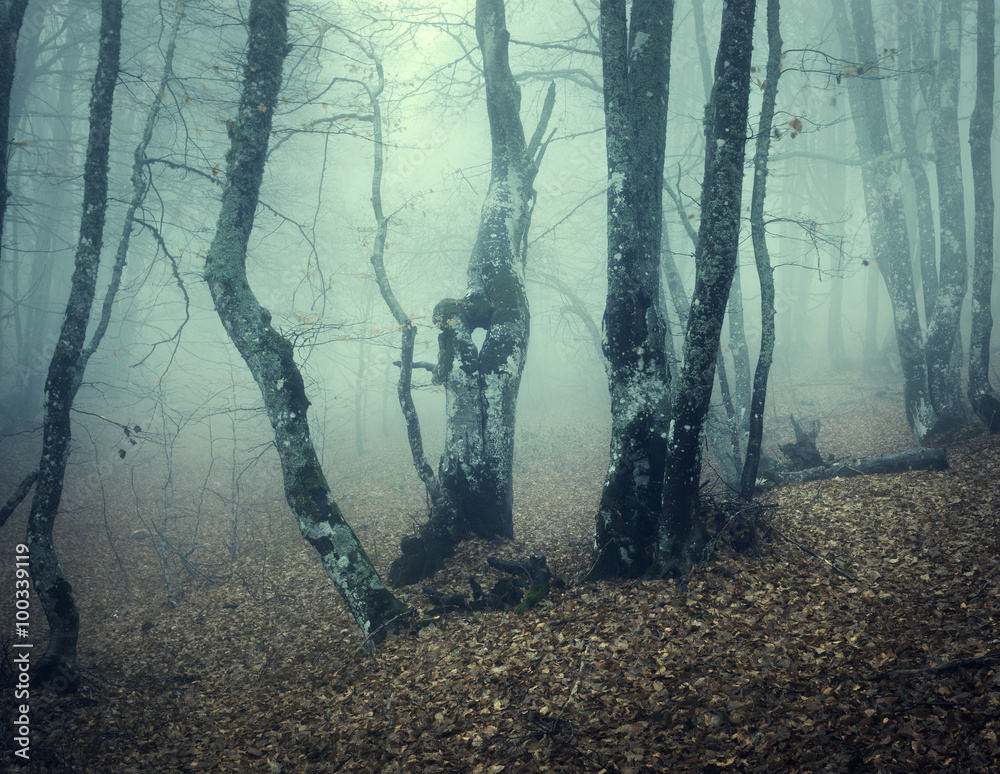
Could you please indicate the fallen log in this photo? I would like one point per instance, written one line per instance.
(914, 459)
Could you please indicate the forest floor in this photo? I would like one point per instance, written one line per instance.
(860, 633)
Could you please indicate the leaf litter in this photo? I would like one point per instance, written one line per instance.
(875, 650)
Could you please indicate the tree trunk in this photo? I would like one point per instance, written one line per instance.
(482, 384)
(926, 243)
(268, 355)
(984, 399)
(913, 459)
(680, 535)
(59, 666)
(636, 65)
(421, 557)
(764, 269)
(941, 94)
(883, 201)
(11, 17)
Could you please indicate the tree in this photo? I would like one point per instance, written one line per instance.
(941, 87)
(270, 356)
(11, 17)
(481, 383)
(680, 534)
(765, 272)
(636, 65)
(984, 399)
(69, 360)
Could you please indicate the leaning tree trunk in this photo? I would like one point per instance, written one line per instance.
(482, 384)
(680, 534)
(268, 355)
(59, 666)
(984, 399)
(765, 272)
(636, 64)
(883, 202)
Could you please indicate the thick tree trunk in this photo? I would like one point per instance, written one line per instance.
(636, 63)
(941, 87)
(914, 459)
(883, 201)
(482, 384)
(680, 535)
(765, 272)
(268, 355)
(984, 399)
(59, 666)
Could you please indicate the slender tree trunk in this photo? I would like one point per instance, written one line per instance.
(984, 399)
(941, 95)
(59, 666)
(765, 272)
(268, 355)
(636, 64)
(926, 247)
(420, 558)
(11, 17)
(680, 535)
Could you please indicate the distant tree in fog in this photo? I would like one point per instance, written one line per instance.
(884, 205)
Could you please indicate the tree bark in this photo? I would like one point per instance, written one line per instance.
(914, 459)
(680, 534)
(482, 384)
(926, 242)
(11, 18)
(636, 65)
(941, 94)
(59, 666)
(268, 355)
(984, 399)
(765, 272)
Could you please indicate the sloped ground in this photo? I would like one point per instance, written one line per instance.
(777, 659)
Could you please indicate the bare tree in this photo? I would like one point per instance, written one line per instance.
(270, 356)
(59, 665)
(636, 62)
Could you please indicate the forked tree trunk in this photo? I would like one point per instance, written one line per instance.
(268, 355)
